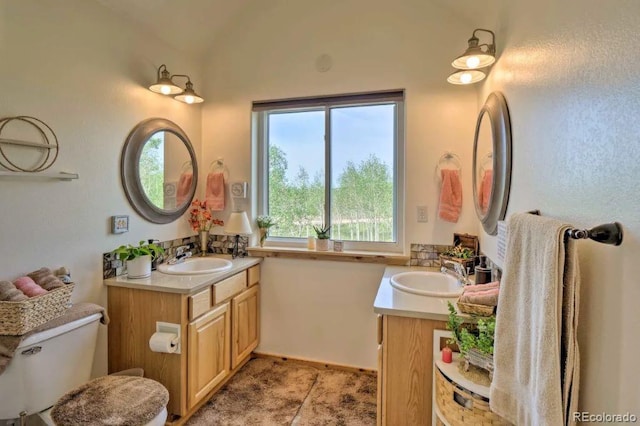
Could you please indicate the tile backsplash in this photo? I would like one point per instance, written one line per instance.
(429, 255)
(426, 254)
(218, 244)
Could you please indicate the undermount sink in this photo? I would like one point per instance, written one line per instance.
(196, 265)
(425, 283)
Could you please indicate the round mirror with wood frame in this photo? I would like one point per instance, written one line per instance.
(159, 170)
(492, 162)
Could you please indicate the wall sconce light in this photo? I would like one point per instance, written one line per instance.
(165, 86)
(473, 59)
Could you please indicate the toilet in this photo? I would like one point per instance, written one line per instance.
(51, 363)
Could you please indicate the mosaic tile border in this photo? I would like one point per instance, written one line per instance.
(426, 254)
(429, 255)
(218, 244)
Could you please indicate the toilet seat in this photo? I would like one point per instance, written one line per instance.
(123, 400)
(159, 420)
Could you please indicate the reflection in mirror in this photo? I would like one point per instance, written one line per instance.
(165, 170)
(484, 171)
(158, 166)
(492, 162)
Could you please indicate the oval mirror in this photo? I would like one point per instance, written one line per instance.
(158, 166)
(492, 162)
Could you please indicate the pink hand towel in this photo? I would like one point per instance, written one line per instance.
(29, 287)
(184, 185)
(485, 190)
(215, 191)
(450, 196)
(487, 298)
(481, 287)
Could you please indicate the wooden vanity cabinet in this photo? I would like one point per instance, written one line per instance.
(405, 370)
(209, 355)
(219, 327)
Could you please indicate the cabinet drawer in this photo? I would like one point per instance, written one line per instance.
(199, 303)
(229, 287)
(253, 275)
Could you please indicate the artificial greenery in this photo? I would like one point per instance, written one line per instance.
(322, 232)
(481, 338)
(130, 252)
(265, 222)
(460, 252)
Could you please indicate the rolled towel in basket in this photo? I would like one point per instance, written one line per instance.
(487, 298)
(9, 292)
(38, 275)
(50, 283)
(29, 287)
(481, 287)
(45, 279)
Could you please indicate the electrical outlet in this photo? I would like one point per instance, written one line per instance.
(422, 214)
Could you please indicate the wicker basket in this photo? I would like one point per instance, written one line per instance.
(470, 308)
(17, 318)
(461, 407)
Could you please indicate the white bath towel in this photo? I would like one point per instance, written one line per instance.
(536, 358)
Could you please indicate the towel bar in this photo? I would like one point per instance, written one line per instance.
(607, 233)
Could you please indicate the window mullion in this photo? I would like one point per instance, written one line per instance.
(327, 165)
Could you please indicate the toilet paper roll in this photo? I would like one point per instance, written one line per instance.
(163, 342)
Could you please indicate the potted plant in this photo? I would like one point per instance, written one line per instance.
(462, 255)
(264, 223)
(322, 237)
(138, 258)
(475, 342)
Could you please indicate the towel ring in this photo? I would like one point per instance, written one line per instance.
(218, 166)
(187, 166)
(447, 157)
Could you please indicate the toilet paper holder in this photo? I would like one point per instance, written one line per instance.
(167, 327)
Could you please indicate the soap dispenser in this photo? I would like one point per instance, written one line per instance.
(483, 273)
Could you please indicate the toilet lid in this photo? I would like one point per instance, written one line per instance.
(111, 400)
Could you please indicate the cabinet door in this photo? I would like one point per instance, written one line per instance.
(246, 324)
(407, 370)
(209, 342)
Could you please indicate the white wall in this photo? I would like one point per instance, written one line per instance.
(270, 53)
(83, 71)
(569, 71)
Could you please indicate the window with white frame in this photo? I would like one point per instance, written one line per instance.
(335, 161)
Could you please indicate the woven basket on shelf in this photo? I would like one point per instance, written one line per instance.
(470, 308)
(461, 407)
(18, 318)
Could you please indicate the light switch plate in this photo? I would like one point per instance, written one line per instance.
(422, 214)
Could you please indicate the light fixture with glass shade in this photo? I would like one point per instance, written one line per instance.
(163, 84)
(476, 56)
(466, 77)
(237, 224)
(166, 86)
(188, 96)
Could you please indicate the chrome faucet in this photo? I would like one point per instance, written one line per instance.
(182, 253)
(459, 271)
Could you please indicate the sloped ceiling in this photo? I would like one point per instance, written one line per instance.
(192, 26)
(188, 25)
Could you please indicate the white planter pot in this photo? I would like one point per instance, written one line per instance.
(140, 267)
(322, 245)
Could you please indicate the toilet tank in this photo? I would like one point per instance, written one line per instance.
(46, 365)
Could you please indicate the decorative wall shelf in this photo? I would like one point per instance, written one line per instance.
(40, 175)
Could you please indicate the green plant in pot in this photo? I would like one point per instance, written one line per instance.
(323, 234)
(138, 258)
(264, 223)
(475, 341)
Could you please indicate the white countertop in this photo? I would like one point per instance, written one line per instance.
(185, 284)
(390, 301)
